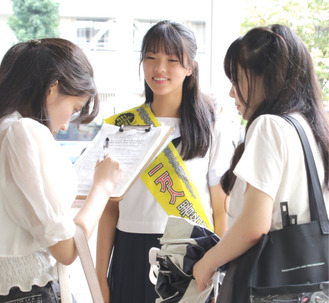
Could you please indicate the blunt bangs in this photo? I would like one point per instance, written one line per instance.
(164, 39)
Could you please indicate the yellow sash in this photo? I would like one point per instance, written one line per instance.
(167, 177)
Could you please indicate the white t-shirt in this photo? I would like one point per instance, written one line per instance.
(141, 213)
(37, 187)
(273, 162)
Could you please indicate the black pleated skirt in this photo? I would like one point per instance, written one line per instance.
(129, 270)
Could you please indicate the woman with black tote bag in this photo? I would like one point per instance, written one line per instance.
(272, 75)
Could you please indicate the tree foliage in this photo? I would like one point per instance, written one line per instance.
(308, 18)
(34, 19)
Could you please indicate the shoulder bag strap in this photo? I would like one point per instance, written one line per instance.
(88, 267)
(316, 200)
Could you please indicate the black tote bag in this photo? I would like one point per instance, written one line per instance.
(292, 260)
(290, 264)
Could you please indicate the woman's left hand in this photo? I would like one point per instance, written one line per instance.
(202, 274)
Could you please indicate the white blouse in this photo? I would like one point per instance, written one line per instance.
(37, 187)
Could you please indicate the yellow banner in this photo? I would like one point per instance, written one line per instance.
(167, 177)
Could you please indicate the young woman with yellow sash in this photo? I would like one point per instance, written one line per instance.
(182, 181)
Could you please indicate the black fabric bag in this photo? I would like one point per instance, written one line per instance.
(290, 264)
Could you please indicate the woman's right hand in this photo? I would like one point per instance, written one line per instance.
(107, 174)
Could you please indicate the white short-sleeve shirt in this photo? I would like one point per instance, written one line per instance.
(273, 162)
(141, 213)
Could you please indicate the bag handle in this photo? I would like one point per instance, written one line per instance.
(316, 200)
(88, 267)
(64, 283)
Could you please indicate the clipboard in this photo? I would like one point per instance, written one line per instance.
(133, 146)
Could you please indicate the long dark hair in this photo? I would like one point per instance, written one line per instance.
(28, 70)
(290, 83)
(196, 110)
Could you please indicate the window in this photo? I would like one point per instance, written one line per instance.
(96, 34)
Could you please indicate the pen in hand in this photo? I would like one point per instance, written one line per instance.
(106, 147)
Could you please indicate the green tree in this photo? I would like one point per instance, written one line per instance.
(308, 18)
(34, 19)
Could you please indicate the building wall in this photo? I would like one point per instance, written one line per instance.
(117, 70)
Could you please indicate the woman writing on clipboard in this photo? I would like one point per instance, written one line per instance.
(42, 84)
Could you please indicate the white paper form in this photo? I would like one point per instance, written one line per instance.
(132, 148)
